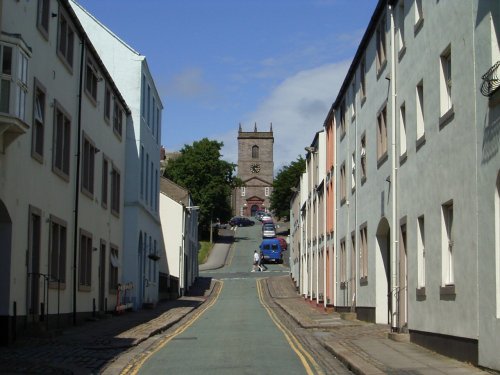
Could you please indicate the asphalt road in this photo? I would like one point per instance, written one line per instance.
(237, 334)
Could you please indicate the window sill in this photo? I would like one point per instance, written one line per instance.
(65, 62)
(87, 193)
(35, 155)
(420, 293)
(61, 174)
(56, 285)
(91, 98)
(420, 141)
(84, 288)
(381, 68)
(447, 290)
(446, 118)
(401, 53)
(382, 159)
(418, 26)
(363, 281)
(403, 157)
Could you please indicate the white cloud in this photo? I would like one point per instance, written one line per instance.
(297, 108)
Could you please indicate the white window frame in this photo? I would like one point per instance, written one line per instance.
(445, 81)
(266, 191)
(447, 245)
(353, 171)
(382, 133)
(402, 130)
(115, 190)
(420, 108)
(65, 39)
(243, 191)
(85, 261)
(88, 166)
(43, 17)
(421, 251)
(61, 146)
(91, 79)
(39, 116)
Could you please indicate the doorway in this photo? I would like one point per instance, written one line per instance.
(34, 244)
(5, 255)
(102, 277)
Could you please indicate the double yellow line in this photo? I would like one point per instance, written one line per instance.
(304, 356)
(133, 367)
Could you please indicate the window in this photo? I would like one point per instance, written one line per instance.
(107, 104)
(380, 39)
(115, 191)
(342, 119)
(382, 134)
(363, 253)
(58, 245)
(104, 186)
(147, 178)
(362, 78)
(343, 264)
(42, 20)
(148, 109)
(447, 244)
(420, 111)
(353, 171)
(6, 78)
(401, 25)
(353, 99)
(85, 264)
(243, 191)
(65, 40)
(91, 79)
(255, 152)
(88, 166)
(421, 251)
(151, 187)
(342, 183)
(266, 191)
(402, 130)
(113, 268)
(158, 125)
(117, 118)
(61, 143)
(445, 81)
(156, 190)
(363, 157)
(143, 97)
(419, 15)
(352, 277)
(38, 130)
(142, 172)
(22, 85)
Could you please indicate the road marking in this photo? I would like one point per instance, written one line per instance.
(133, 367)
(294, 343)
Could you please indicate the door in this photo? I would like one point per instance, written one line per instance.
(102, 277)
(34, 263)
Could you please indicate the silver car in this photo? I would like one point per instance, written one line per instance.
(268, 230)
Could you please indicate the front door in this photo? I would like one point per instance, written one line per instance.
(34, 263)
(102, 276)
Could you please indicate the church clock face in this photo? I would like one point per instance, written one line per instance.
(255, 168)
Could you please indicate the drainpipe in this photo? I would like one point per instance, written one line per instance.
(77, 180)
(335, 249)
(394, 185)
(324, 229)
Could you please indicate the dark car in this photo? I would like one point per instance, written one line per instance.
(282, 243)
(241, 222)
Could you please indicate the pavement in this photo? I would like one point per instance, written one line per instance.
(110, 344)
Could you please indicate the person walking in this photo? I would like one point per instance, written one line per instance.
(262, 266)
(256, 258)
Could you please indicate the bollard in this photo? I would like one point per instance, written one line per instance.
(105, 305)
(93, 308)
(14, 324)
(42, 311)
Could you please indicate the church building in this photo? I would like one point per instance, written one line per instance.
(256, 170)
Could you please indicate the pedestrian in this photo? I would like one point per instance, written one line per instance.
(255, 261)
(262, 266)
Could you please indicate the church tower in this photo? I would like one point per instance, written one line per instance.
(256, 170)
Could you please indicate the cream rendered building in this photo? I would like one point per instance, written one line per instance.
(142, 221)
(62, 165)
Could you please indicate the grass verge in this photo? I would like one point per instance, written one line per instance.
(205, 248)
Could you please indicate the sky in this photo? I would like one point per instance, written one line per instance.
(219, 63)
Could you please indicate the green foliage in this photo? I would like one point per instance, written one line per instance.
(205, 248)
(287, 178)
(209, 179)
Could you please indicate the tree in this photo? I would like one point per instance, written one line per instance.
(209, 179)
(287, 178)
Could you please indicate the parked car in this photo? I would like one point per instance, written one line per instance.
(259, 214)
(266, 218)
(272, 250)
(241, 222)
(268, 230)
(283, 243)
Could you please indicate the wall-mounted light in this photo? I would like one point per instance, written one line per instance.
(310, 149)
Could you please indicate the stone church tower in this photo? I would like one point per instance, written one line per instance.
(256, 170)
